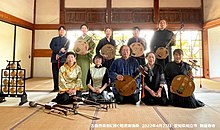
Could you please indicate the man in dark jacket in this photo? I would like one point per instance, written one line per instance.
(59, 46)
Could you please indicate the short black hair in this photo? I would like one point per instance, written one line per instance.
(122, 48)
(107, 28)
(98, 56)
(161, 20)
(136, 27)
(151, 52)
(61, 27)
(84, 25)
(70, 53)
(178, 51)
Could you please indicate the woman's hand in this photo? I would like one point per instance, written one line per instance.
(159, 92)
(62, 50)
(71, 91)
(152, 93)
(98, 91)
(93, 90)
(171, 89)
(120, 77)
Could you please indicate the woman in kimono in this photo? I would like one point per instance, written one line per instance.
(178, 67)
(70, 83)
(154, 82)
(85, 59)
(97, 80)
(107, 40)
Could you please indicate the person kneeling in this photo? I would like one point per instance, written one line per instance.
(154, 82)
(126, 66)
(97, 81)
(70, 83)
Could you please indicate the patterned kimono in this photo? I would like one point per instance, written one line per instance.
(69, 78)
(84, 60)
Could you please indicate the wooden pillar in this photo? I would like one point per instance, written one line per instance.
(205, 47)
(62, 11)
(108, 11)
(33, 42)
(156, 11)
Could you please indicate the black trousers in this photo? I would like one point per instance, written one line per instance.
(65, 98)
(150, 100)
(133, 99)
(55, 71)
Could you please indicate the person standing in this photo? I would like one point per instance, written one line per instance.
(136, 38)
(59, 46)
(107, 40)
(160, 39)
(84, 60)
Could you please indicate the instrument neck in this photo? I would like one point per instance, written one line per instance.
(174, 36)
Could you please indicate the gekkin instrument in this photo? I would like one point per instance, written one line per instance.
(183, 85)
(127, 86)
(162, 52)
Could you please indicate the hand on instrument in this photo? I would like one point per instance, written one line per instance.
(120, 77)
(158, 93)
(62, 50)
(171, 89)
(57, 56)
(105, 56)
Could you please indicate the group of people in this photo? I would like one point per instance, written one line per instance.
(72, 73)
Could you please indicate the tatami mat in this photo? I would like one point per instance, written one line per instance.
(123, 117)
(129, 116)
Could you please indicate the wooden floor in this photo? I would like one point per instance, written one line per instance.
(123, 117)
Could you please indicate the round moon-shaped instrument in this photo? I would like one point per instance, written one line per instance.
(81, 47)
(183, 85)
(127, 86)
(109, 51)
(137, 49)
